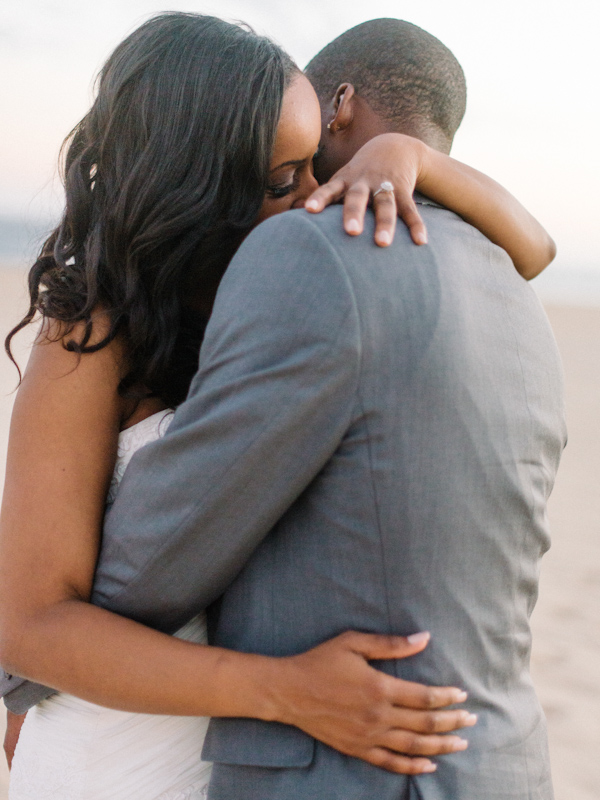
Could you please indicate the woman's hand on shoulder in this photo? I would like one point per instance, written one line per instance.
(409, 164)
(385, 172)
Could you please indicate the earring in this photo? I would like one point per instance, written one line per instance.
(329, 126)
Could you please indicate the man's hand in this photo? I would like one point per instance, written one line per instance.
(14, 723)
(333, 694)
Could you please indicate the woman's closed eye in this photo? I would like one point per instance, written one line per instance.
(279, 190)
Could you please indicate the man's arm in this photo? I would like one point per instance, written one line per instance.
(271, 402)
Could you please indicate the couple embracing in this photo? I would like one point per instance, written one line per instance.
(341, 446)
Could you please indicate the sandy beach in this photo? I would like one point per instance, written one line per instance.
(566, 658)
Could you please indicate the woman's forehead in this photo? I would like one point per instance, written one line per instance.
(299, 128)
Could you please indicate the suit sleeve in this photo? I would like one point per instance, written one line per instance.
(272, 400)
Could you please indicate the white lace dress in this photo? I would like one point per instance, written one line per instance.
(70, 749)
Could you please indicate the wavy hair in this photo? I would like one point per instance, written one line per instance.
(163, 178)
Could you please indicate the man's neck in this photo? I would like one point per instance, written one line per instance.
(371, 124)
(426, 132)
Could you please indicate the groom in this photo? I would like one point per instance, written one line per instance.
(369, 444)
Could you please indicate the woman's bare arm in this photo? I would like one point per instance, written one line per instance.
(62, 450)
(410, 164)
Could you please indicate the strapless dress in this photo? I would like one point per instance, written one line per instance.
(70, 749)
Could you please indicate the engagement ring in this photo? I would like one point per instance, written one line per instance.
(386, 186)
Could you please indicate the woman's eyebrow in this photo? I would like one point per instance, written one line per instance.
(297, 163)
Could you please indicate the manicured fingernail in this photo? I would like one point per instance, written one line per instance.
(470, 720)
(460, 696)
(430, 767)
(384, 238)
(461, 744)
(418, 638)
(313, 205)
(353, 226)
(421, 238)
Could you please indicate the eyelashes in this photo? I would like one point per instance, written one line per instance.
(278, 191)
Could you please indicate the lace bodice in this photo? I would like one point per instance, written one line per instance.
(130, 441)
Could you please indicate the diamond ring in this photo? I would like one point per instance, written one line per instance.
(386, 186)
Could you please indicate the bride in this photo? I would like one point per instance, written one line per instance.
(200, 130)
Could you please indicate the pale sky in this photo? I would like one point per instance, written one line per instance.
(532, 67)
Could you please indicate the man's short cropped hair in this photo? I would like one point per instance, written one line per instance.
(404, 73)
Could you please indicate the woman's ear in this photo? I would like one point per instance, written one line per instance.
(343, 108)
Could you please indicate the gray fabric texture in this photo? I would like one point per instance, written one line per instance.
(369, 444)
(20, 695)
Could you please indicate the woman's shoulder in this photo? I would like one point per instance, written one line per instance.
(57, 360)
(76, 338)
(68, 389)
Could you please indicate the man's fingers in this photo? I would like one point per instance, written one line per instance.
(355, 207)
(384, 207)
(329, 193)
(408, 213)
(403, 765)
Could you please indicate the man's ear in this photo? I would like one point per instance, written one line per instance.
(343, 108)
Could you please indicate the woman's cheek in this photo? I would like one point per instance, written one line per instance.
(272, 206)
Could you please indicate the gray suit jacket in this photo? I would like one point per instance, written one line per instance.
(369, 444)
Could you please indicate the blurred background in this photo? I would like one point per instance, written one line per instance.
(533, 123)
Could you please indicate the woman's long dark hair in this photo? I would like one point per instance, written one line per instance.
(163, 178)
